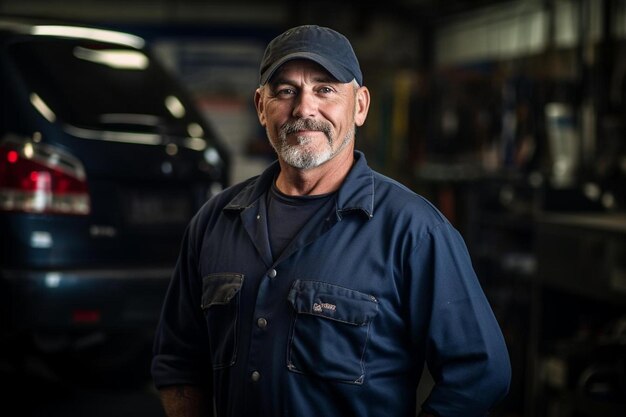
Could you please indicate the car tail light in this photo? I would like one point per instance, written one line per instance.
(40, 178)
(86, 316)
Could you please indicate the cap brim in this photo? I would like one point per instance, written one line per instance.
(337, 72)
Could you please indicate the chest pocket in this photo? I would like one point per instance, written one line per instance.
(220, 303)
(330, 331)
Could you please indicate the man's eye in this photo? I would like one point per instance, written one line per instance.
(285, 92)
(325, 90)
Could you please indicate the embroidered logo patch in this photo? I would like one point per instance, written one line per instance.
(318, 307)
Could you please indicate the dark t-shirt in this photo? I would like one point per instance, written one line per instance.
(288, 214)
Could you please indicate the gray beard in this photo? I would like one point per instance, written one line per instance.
(301, 157)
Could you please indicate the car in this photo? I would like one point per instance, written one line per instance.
(104, 159)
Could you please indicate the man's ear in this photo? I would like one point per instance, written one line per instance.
(259, 105)
(362, 105)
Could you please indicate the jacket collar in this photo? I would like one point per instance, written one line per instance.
(356, 194)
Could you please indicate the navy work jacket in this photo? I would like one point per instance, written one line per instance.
(342, 322)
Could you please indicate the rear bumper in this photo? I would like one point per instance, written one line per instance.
(107, 299)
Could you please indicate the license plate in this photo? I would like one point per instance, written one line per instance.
(147, 209)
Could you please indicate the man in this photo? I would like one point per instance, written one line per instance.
(320, 287)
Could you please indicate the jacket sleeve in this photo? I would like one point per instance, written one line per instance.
(181, 339)
(465, 350)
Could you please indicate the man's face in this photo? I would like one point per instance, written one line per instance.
(308, 115)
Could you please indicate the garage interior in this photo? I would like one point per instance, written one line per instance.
(510, 116)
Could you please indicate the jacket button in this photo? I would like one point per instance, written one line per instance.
(255, 376)
(272, 273)
(262, 323)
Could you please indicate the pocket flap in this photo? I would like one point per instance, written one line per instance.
(333, 302)
(220, 288)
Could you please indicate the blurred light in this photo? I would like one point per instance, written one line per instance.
(42, 107)
(212, 156)
(195, 130)
(42, 190)
(592, 191)
(167, 168)
(12, 157)
(52, 279)
(96, 230)
(28, 150)
(215, 188)
(171, 149)
(175, 107)
(114, 58)
(89, 33)
(196, 144)
(110, 136)
(41, 240)
(608, 200)
(53, 160)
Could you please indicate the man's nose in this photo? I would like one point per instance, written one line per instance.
(306, 105)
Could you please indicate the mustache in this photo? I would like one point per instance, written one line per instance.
(305, 124)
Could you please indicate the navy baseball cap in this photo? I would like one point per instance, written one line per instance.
(322, 45)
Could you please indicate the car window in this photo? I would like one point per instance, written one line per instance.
(101, 86)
